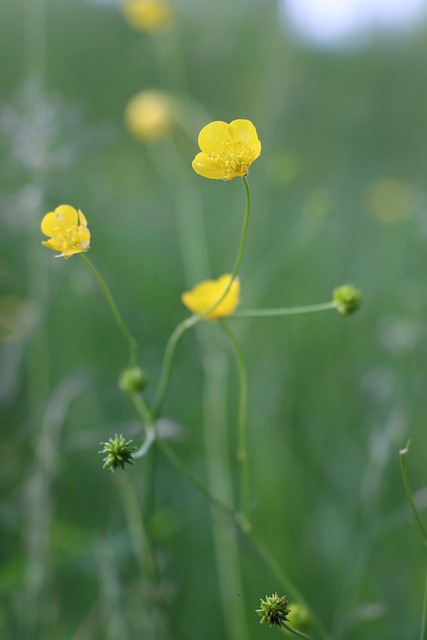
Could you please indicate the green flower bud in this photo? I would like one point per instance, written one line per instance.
(118, 452)
(133, 380)
(347, 299)
(299, 616)
(274, 610)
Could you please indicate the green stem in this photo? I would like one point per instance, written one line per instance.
(194, 480)
(242, 456)
(167, 364)
(244, 231)
(300, 634)
(197, 317)
(403, 453)
(139, 536)
(424, 614)
(142, 409)
(133, 345)
(283, 311)
(285, 581)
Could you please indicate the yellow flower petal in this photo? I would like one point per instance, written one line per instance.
(244, 131)
(64, 217)
(204, 295)
(212, 136)
(50, 244)
(205, 166)
(82, 219)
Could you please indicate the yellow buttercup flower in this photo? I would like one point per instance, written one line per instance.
(227, 150)
(204, 295)
(149, 115)
(148, 15)
(68, 231)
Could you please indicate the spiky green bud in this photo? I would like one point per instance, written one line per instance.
(133, 380)
(118, 452)
(274, 610)
(347, 299)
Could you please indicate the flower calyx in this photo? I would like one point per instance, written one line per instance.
(118, 452)
(133, 380)
(347, 299)
(274, 610)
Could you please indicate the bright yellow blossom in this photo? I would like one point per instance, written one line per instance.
(149, 115)
(148, 15)
(204, 295)
(68, 231)
(227, 150)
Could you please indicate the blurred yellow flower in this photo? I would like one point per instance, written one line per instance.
(149, 115)
(68, 231)
(391, 200)
(204, 295)
(148, 15)
(227, 150)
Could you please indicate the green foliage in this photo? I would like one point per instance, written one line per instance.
(331, 402)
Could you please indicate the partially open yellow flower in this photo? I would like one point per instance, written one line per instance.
(148, 15)
(149, 115)
(68, 231)
(204, 295)
(227, 150)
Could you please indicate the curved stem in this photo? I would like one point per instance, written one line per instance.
(194, 479)
(244, 230)
(403, 453)
(138, 534)
(167, 364)
(300, 634)
(133, 345)
(150, 438)
(283, 311)
(424, 614)
(242, 456)
(197, 317)
(142, 409)
(285, 581)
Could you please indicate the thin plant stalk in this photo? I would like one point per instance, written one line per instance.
(194, 480)
(219, 474)
(403, 453)
(424, 613)
(285, 581)
(137, 531)
(242, 454)
(194, 319)
(294, 631)
(133, 345)
(284, 311)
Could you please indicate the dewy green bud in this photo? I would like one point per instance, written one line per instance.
(274, 610)
(118, 452)
(347, 299)
(133, 380)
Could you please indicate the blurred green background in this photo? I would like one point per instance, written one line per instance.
(338, 196)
